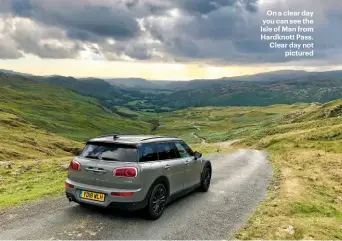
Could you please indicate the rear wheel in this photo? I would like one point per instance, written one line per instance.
(157, 201)
(205, 180)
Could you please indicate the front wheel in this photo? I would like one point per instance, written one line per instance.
(157, 201)
(205, 179)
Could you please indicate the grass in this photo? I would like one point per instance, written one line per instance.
(210, 148)
(217, 124)
(306, 195)
(32, 162)
(31, 180)
(305, 199)
(304, 142)
(42, 126)
(62, 111)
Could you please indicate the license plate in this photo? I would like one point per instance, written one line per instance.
(100, 197)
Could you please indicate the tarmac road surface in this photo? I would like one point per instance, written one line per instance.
(239, 182)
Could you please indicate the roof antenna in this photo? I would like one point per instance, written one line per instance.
(115, 137)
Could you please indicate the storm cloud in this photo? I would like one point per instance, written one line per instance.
(226, 31)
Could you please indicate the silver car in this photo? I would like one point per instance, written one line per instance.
(136, 172)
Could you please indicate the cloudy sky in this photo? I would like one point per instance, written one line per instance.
(157, 39)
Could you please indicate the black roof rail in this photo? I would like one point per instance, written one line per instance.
(105, 135)
(156, 137)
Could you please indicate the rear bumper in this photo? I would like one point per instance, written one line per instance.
(115, 205)
(138, 201)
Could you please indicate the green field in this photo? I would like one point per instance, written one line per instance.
(304, 142)
(62, 111)
(42, 126)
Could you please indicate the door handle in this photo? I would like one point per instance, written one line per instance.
(92, 169)
(167, 166)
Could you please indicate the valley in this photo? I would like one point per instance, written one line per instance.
(44, 123)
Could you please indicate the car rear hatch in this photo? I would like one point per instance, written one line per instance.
(108, 165)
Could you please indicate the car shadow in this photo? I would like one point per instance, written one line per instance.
(118, 214)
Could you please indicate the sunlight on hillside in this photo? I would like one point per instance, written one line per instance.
(42, 127)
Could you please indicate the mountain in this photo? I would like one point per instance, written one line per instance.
(107, 94)
(132, 83)
(273, 76)
(322, 87)
(92, 87)
(60, 110)
(204, 83)
(11, 72)
(277, 87)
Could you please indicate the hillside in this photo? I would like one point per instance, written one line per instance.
(304, 143)
(107, 94)
(33, 160)
(61, 111)
(278, 87)
(217, 124)
(303, 89)
(21, 140)
(41, 127)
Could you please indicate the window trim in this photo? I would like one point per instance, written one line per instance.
(159, 142)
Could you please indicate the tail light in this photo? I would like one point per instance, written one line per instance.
(68, 185)
(75, 165)
(122, 194)
(125, 172)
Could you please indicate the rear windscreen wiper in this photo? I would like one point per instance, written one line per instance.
(92, 157)
(109, 159)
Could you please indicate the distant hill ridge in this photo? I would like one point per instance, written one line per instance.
(277, 87)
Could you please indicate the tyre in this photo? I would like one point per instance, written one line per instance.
(205, 179)
(157, 201)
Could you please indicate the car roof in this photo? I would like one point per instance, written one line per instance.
(132, 139)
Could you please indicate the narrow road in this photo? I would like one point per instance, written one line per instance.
(203, 141)
(240, 181)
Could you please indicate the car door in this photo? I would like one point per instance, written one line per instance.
(191, 172)
(173, 165)
(151, 168)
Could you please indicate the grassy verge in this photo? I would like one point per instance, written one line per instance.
(33, 161)
(212, 148)
(305, 199)
(31, 180)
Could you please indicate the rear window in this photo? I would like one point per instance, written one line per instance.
(110, 152)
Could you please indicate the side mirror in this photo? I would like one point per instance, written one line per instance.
(197, 155)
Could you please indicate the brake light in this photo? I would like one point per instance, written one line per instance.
(122, 194)
(125, 172)
(75, 165)
(68, 185)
